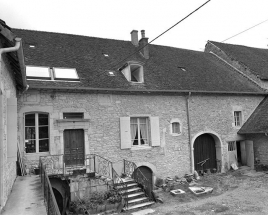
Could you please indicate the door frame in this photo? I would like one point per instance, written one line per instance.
(218, 146)
(84, 151)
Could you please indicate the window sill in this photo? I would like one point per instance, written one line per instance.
(175, 134)
(37, 154)
(134, 148)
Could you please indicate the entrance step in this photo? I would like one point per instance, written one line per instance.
(137, 200)
(139, 206)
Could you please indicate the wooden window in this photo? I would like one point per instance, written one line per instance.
(139, 131)
(74, 115)
(176, 128)
(238, 118)
(36, 132)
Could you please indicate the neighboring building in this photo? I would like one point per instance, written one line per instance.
(252, 63)
(164, 108)
(12, 83)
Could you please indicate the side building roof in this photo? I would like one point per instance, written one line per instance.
(167, 69)
(258, 121)
(254, 58)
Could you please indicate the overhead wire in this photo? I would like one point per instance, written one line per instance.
(162, 33)
(244, 30)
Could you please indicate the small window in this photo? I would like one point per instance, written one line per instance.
(176, 128)
(231, 146)
(65, 74)
(33, 72)
(133, 72)
(139, 128)
(238, 118)
(36, 132)
(73, 115)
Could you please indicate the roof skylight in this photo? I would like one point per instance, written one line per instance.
(65, 74)
(32, 46)
(182, 68)
(35, 72)
(105, 55)
(110, 73)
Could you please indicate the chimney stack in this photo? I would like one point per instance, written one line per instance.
(134, 37)
(144, 42)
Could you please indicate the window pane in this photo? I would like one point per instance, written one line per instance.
(37, 71)
(43, 132)
(44, 145)
(29, 133)
(176, 128)
(30, 146)
(43, 119)
(143, 134)
(65, 73)
(30, 120)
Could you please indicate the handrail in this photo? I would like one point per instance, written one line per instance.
(123, 191)
(131, 170)
(49, 198)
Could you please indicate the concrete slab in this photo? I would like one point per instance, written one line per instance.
(26, 197)
(143, 212)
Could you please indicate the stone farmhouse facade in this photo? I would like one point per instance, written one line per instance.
(166, 109)
(12, 84)
(252, 63)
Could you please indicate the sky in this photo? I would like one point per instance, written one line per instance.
(115, 19)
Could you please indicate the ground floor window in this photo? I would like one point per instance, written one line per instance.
(36, 132)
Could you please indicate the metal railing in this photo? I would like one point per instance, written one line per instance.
(121, 186)
(49, 198)
(131, 170)
(90, 163)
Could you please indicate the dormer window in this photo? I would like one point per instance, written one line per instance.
(133, 72)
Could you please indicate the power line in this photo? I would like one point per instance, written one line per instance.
(162, 33)
(244, 31)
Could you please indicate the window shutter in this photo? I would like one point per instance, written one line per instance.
(125, 132)
(155, 133)
(12, 129)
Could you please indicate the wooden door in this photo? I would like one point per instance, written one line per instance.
(147, 172)
(232, 152)
(250, 153)
(204, 148)
(74, 147)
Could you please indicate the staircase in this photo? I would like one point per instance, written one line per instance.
(135, 195)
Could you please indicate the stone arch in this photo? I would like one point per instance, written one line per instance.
(218, 146)
(151, 167)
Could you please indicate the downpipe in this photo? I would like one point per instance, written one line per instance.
(189, 133)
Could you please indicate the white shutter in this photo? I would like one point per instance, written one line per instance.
(12, 129)
(125, 132)
(155, 133)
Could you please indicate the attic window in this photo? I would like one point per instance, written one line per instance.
(182, 68)
(76, 115)
(133, 72)
(33, 72)
(47, 73)
(65, 74)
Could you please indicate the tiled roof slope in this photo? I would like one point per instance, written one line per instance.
(204, 72)
(255, 58)
(258, 121)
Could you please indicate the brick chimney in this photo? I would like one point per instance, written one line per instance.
(143, 41)
(134, 37)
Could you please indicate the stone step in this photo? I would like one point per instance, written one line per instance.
(132, 195)
(127, 180)
(137, 200)
(133, 189)
(139, 205)
(127, 185)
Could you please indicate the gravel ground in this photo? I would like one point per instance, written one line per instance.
(233, 194)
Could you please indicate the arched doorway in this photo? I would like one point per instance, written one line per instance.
(205, 148)
(58, 198)
(148, 173)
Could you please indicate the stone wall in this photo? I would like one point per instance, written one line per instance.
(208, 114)
(7, 90)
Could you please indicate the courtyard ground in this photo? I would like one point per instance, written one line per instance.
(234, 193)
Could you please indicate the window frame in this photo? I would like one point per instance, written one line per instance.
(36, 126)
(148, 131)
(175, 120)
(238, 119)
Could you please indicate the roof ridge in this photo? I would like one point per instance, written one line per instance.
(241, 73)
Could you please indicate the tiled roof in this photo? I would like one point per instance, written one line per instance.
(255, 59)
(204, 72)
(258, 121)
